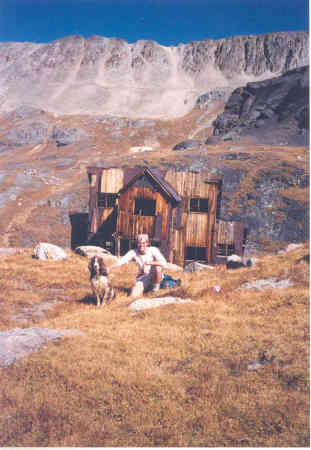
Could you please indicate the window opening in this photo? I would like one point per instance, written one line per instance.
(106, 200)
(144, 207)
(194, 253)
(225, 249)
(198, 204)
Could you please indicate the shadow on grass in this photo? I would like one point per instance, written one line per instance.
(91, 299)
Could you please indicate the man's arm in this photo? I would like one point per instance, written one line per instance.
(159, 259)
(123, 260)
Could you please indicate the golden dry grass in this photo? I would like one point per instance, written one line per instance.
(170, 376)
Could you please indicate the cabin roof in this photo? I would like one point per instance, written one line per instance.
(156, 176)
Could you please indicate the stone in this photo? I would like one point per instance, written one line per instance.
(234, 262)
(188, 144)
(21, 342)
(46, 251)
(147, 303)
(292, 247)
(270, 283)
(67, 136)
(92, 250)
(197, 267)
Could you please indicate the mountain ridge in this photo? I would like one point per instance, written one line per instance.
(99, 75)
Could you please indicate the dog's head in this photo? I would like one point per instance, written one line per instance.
(97, 266)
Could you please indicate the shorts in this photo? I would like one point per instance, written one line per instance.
(147, 280)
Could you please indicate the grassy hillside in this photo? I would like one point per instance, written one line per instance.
(172, 376)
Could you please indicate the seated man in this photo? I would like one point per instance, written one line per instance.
(150, 262)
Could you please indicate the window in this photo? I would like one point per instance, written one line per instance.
(195, 253)
(144, 207)
(225, 249)
(198, 204)
(107, 200)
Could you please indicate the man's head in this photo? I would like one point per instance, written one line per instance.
(142, 243)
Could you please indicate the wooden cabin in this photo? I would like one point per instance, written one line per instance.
(179, 210)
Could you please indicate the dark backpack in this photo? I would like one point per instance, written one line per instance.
(169, 282)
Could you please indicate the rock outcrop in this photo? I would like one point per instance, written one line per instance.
(273, 111)
(102, 75)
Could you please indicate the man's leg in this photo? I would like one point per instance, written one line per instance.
(156, 277)
(137, 290)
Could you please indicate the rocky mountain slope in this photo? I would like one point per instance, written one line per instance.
(102, 75)
(272, 111)
(44, 155)
(44, 186)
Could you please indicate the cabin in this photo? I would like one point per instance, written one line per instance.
(179, 210)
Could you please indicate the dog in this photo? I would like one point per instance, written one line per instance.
(100, 284)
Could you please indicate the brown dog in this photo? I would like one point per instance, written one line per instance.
(101, 286)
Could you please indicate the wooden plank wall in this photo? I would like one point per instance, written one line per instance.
(196, 229)
(129, 224)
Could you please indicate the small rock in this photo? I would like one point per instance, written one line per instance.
(190, 143)
(147, 303)
(196, 267)
(255, 365)
(270, 283)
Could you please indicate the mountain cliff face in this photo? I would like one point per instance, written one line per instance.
(102, 75)
(273, 111)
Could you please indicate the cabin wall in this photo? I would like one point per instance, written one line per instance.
(193, 229)
(178, 230)
(130, 225)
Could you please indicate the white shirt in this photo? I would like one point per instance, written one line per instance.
(152, 254)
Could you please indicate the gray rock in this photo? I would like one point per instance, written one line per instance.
(270, 283)
(147, 303)
(30, 134)
(272, 111)
(190, 143)
(67, 136)
(46, 251)
(92, 250)
(21, 342)
(237, 156)
(197, 267)
(214, 96)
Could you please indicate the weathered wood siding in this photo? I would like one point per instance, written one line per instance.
(194, 229)
(177, 228)
(129, 225)
(112, 180)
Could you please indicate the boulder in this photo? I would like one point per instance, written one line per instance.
(147, 303)
(196, 267)
(67, 136)
(235, 262)
(92, 250)
(45, 251)
(190, 143)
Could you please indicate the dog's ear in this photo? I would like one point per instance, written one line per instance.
(91, 263)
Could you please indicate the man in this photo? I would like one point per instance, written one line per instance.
(150, 262)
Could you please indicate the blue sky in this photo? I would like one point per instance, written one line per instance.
(168, 22)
